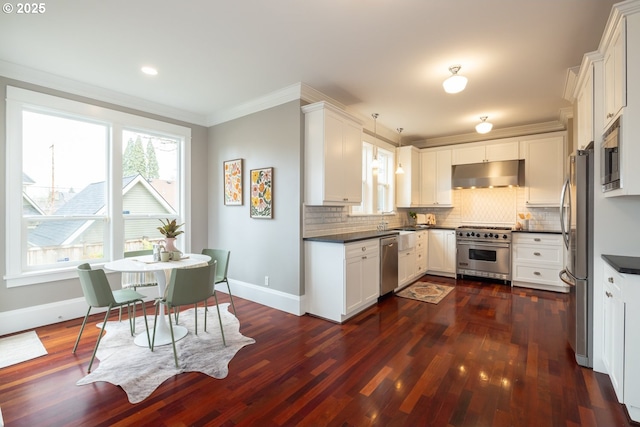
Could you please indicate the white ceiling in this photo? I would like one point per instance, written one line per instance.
(373, 56)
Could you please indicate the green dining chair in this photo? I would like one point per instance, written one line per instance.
(137, 280)
(222, 257)
(98, 294)
(188, 286)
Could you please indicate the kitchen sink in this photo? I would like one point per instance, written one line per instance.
(413, 227)
(406, 240)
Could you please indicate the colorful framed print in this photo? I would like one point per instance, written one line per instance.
(233, 182)
(261, 193)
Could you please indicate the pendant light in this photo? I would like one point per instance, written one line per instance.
(484, 126)
(399, 171)
(375, 164)
(455, 83)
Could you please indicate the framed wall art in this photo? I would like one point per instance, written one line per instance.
(233, 182)
(261, 193)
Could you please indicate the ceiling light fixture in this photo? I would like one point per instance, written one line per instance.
(455, 83)
(375, 164)
(484, 126)
(399, 171)
(150, 71)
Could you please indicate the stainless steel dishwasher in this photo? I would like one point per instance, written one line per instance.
(388, 264)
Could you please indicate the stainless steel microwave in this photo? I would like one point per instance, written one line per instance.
(610, 158)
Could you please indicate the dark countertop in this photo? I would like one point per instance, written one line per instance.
(623, 264)
(352, 237)
(423, 228)
(538, 231)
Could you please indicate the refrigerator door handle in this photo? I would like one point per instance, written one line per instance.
(566, 189)
(564, 273)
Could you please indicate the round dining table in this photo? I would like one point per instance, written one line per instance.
(162, 271)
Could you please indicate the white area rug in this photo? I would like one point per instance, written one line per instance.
(139, 371)
(20, 348)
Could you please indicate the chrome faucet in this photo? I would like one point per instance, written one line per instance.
(383, 225)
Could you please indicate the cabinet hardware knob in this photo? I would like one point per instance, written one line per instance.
(364, 248)
(610, 279)
(536, 253)
(364, 257)
(537, 273)
(609, 294)
(537, 239)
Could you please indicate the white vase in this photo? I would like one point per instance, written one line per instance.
(169, 244)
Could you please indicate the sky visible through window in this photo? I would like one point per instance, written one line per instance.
(63, 155)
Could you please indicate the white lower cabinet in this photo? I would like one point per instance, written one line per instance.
(537, 259)
(613, 351)
(422, 245)
(442, 252)
(341, 279)
(621, 339)
(406, 266)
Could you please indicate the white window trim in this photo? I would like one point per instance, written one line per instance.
(391, 149)
(17, 99)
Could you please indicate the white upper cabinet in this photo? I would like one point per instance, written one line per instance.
(485, 152)
(584, 100)
(427, 177)
(544, 157)
(408, 183)
(615, 74)
(435, 177)
(333, 156)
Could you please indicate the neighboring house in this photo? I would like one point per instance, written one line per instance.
(139, 197)
(29, 206)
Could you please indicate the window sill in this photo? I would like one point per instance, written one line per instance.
(44, 276)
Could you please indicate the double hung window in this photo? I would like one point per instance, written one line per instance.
(85, 184)
(378, 179)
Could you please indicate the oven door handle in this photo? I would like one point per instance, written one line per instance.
(484, 245)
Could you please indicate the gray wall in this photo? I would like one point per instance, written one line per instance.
(44, 293)
(261, 247)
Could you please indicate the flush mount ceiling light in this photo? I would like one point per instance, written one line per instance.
(375, 164)
(399, 171)
(149, 71)
(455, 83)
(484, 126)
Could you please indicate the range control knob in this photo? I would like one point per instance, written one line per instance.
(485, 235)
(496, 236)
(504, 236)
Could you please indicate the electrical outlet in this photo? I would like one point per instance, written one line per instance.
(266, 280)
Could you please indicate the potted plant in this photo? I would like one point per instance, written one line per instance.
(413, 217)
(170, 231)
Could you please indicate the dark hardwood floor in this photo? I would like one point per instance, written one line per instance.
(486, 355)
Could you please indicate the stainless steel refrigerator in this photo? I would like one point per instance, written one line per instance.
(576, 223)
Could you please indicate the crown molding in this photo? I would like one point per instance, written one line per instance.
(566, 114)
(74, 87)
(532, 129)
(296, 91)
(570, 83)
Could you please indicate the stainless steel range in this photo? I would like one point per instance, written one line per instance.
(484, 252)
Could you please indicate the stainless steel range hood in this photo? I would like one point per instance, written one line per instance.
(489, 174)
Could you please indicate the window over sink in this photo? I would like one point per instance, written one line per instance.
(378, 183)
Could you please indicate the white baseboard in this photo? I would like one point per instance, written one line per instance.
(46, 314)
(282, 301)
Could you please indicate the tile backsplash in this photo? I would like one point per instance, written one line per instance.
(481, 206)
